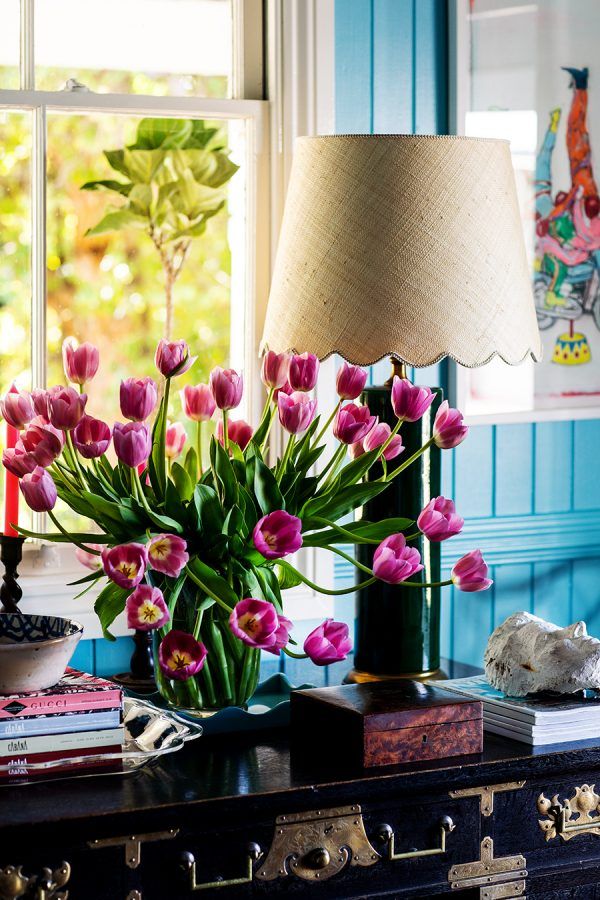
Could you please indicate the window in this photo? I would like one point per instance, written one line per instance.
(77, 80)
(72, 99)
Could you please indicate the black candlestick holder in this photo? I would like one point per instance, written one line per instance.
(140, 678)
(11, 554)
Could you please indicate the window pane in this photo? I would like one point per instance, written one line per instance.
(158, 47)
(15, 260)
(108, 287)
(9, 45)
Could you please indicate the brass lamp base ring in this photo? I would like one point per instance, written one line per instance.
(355, 676)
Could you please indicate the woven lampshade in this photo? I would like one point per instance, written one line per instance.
(402, 245)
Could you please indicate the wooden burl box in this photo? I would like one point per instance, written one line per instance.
(383, 723)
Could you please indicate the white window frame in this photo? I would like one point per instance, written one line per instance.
(300, 87)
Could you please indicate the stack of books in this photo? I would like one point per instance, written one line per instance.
(80, 717)
(536, 720)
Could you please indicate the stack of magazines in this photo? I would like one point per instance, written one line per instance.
(80, 717)
(536, 719)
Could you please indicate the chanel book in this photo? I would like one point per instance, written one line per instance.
(536, 720)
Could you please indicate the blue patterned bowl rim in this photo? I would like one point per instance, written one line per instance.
(24, 628)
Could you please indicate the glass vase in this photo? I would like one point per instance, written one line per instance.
(230, 672)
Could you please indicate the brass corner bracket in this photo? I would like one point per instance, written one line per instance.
(572, 817)
(486, 794)
(47, 886)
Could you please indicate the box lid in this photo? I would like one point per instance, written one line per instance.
(389, 705)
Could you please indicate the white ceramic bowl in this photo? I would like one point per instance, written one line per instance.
(34, 651)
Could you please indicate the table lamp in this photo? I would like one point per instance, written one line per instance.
(408, 246)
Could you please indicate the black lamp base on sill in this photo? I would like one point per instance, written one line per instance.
(11, 553)
(140, 679)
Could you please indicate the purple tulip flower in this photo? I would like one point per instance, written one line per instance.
(198, 402)
(17, 407)
(277, 534)
(226, 387)
(352, 423)
(303, 372)
(328, 643)
(394, 562)
(274, 370)
(125, 564)
(173, 358)
(180, 655)
(238, 432)
(138, 397)
(66, 407)
(438, 520)
(296, 411)
(256, 623)
(167, 553)
(378, 435)
(80, 361)
(409, 401)
(39, 490)
(132, 442)
(19, 461)
(470, 573)
(350, 381)
(91, 437)
(449, 429)
(146, 608)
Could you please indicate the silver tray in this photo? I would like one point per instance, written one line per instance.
(149, 734)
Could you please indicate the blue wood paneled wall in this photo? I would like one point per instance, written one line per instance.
(531, 492)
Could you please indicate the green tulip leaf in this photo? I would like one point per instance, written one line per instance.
(110, 603)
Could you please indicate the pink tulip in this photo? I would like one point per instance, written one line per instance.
(146, 608)
(89, 560)
(125, 564)
(256, 623)
(394, 562)
(303, 372)
(180, 656)
(138, 397)
(173, 358)
(296, 411)
(175, 438)
(238, 432)
(66, 407)
(470, 573)
(17, 407)
(91, 437)
(448, 427)
(80, 362)
(353, 423)
(277, 534)
(274, 370)
(18, 460)
(40, 402)
(285, 388)
(226, 387)
(438, 520)
(409, 401)
(42, 440)
(329, 643)
(132, 443)
(198, 402)
(378, 435)
(39, 490)
(350, 381)
(167, 553)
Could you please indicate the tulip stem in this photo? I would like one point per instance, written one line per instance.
(322, 590)
(351, 559)
(425, 584)
(285, 458)
(319, 437)
(408, 462)
(332, 464)
(140, 490)
(295, 655)
(225, 432)
(72, 459)
(72, 537)
(207, 590)
(271, 413)
(199, 447)
(344, 532)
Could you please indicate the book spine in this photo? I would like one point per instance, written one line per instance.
(21, 764)
(60, 742)
(60, 724)
(58, 703)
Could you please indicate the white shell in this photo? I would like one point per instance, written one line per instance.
(526, 654)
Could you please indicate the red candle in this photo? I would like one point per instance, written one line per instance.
(11, 489)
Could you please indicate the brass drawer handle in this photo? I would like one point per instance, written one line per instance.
(386, 835)
(580, 814)
(188, 865)
(13, 884)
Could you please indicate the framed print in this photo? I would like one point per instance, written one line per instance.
(530, 73)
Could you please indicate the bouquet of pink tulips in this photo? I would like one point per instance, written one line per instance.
(200, 550)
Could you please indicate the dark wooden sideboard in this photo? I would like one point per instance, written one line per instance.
(241, 817)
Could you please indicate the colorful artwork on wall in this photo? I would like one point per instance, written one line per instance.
(567, 258)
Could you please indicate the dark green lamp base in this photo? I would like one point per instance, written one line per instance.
(398, 629)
